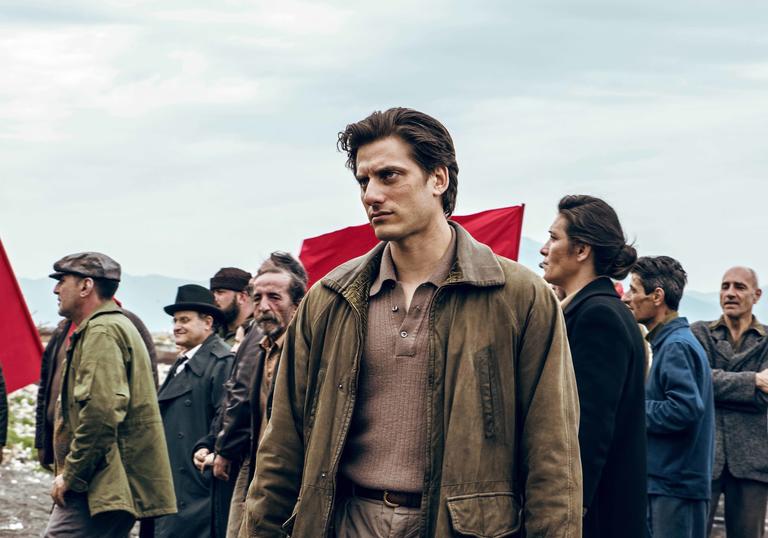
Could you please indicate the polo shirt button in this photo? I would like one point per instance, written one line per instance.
(394, 308)
(180, 435)
(404, 334)
(187, 402)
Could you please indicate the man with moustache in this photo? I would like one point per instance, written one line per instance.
(111, 463)
(230, 288)
(231, 438)
(189, 399)
(425, 388)
(737, 347)
(278, 288)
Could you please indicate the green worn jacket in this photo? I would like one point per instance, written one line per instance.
(117, 453)
(502, 453)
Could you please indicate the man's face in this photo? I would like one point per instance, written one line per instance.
(190, 328)
(272, 301)
(560, 262)
(400, 199)
(68, 291)
(226, 300)
(738, 293)
(640, 303)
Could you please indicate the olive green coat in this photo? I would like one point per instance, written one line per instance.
(117, 452)
(502, 407)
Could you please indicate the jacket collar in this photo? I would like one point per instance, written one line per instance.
(199, 362)
(475, 265)
(109, 307)
(602, 285)
(667, 329)
(754, 326)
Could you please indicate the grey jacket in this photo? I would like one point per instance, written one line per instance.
(741, 422)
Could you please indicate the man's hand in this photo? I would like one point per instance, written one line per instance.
(200, 457)
(221, 467)
(58, 490)
(1, 453)
(761, 380)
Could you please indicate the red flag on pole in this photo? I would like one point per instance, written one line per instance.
(21, 348)
(500, 229)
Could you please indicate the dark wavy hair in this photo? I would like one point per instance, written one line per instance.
(430, 142)
(591, 221)
(665, 273)
(284, 262)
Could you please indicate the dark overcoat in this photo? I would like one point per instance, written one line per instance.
(188, 404)
(609, 362)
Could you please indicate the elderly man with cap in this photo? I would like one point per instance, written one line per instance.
(189, 399)
(232, 293)
(111, 463)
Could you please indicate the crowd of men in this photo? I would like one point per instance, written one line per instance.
(427, 388)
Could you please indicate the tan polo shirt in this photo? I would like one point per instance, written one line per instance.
(386, 444)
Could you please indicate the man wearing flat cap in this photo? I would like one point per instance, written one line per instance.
(231, 290)
(111, 463)
(189, 398)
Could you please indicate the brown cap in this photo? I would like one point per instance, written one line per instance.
(91, 264)
(230, 278)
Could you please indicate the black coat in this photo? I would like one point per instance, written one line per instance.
(188, 404)
(609, 362)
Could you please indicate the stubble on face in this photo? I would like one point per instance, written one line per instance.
(397, 194)
(66, 290)
(273, 305)
(638, 302)
(739, 292)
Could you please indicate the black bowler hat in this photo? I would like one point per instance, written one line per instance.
(196, 298)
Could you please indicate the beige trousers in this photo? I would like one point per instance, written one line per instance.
(358, 517)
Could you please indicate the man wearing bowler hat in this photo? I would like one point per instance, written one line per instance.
(111, 463)
(189, 398)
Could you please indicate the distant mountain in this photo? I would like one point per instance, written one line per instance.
(144, 295)
(147, 295)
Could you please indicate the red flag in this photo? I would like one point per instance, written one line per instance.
(500, 229)
(21, 349)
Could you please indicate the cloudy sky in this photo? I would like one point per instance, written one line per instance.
(182, 136)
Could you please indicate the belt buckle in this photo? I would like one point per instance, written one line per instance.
(389, 503)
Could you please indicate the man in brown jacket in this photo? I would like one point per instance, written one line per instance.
(426, 388)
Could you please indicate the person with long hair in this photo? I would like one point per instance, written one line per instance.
(585, 250)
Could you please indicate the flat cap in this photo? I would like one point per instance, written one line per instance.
(230, 278)
(91, 264)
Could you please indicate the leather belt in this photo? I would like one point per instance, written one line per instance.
(392, 499)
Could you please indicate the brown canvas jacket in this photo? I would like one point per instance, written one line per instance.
(502, 454)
